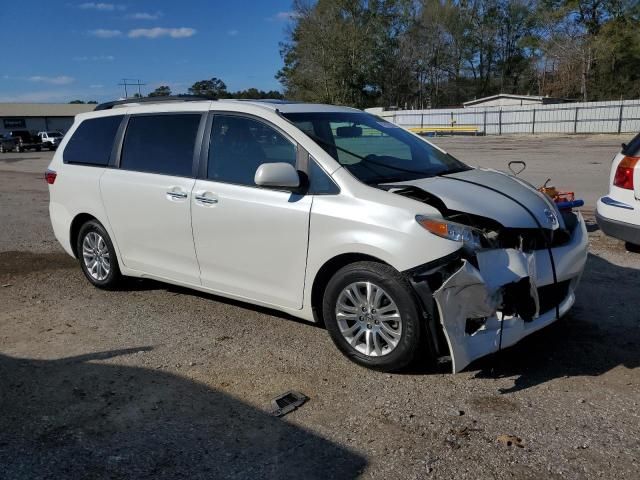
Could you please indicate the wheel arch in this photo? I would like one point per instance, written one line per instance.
(77, 222)
(328, 269)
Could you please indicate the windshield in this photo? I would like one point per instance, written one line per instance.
(372, 149)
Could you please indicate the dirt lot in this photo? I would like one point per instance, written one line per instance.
(160, 382)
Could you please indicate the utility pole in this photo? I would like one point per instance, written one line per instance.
(131, 82)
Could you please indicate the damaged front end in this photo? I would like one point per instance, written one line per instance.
(502, 285)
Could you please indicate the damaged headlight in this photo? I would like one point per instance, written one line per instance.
(469, 236)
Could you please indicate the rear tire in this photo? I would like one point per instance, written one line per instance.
(97, 256)
(373, 316)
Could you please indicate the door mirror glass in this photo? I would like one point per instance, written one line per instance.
(277, 175)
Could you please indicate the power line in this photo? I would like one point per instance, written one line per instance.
(129, 82)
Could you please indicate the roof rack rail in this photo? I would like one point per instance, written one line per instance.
(274, 101)
(169, 98)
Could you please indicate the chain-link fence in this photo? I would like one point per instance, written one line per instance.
(587, 117)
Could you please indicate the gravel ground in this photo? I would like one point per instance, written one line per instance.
(155, 381)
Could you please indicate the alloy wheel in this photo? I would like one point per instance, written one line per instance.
(368, 319)
(95, 254)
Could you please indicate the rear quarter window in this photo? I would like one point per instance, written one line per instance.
(632, 148)
(92, 141)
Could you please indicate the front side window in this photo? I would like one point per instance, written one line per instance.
(239, 145)
(161, 144)
(372, 149)
(92, 141)
(319, 181)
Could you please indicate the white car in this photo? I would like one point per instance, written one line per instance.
(326, 213)
(618, 213)
(51, 140)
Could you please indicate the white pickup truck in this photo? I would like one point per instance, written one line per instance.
(51, 140)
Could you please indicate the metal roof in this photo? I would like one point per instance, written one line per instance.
(43, 109)
(536, 98)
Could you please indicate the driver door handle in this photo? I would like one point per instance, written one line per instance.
(177, 194)
(206, 198)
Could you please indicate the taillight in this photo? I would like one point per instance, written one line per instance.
(624, 173)
(50, 176)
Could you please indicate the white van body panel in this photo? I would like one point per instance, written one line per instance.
(267, 247)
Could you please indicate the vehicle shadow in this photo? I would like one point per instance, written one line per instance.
(591, 225)
(88, 417)
(145, 284)
(598, 334)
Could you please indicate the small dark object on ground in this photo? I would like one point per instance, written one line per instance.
(510, 440)
(287, 402)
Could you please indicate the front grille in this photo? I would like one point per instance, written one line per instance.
(552, 295)
(532, 238)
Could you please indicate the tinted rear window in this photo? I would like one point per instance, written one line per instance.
(633, 147)
(92, 141)
(161, 144)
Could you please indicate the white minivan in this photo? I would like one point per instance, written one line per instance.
(326, 213)
(618, 212)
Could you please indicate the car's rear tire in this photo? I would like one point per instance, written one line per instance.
(373, 316)
(97, 256)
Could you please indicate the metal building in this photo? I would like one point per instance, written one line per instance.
(39, 116)
(509, 100)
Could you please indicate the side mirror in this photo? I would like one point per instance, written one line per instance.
(277, 175)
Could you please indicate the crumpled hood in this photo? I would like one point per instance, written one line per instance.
(482, 192)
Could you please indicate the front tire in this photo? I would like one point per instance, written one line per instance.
(97, 256)
(373, 316)
(632, 247)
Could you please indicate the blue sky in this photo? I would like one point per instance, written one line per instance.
(66, 50)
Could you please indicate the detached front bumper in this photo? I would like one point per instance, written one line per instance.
(478, 304)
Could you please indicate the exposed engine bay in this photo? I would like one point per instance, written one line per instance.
(514, 276)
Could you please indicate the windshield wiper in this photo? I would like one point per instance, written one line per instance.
(453, 170)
